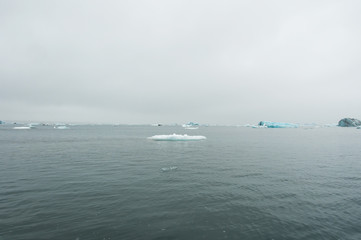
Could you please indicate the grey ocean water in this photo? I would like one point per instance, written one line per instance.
(107, 182)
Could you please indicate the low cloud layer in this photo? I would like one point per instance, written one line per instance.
(217, 62)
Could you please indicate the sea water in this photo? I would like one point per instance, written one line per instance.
(111, 182)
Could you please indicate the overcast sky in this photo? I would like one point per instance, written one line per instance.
(214, 62)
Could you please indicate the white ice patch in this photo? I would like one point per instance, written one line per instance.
(176, 137)
(22, 128)
(29, 126)
(61, 127)
(166, 169)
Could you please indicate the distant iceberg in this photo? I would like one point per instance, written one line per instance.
(191, 128)
(61, 127)
(176, 137)
(190, 124)
(277, 124)
(259, 126)
(27, 127)
(349, 122)
(23, 128)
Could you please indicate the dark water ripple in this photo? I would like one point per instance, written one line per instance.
(106, 182)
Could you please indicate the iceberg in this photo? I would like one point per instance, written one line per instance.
(176, 137)
(349, 122)
(277, 124)
(259, 126)
(29, 126)
(190, 125)
(23, 128)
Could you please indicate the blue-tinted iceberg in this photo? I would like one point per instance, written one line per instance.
(191, 125)
(349, 122)
(176, 137)
(277, 124)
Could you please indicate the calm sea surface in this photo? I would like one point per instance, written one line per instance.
(111, 182)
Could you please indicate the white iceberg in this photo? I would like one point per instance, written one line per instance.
(176, 137)
(23, 128)
(29, 126)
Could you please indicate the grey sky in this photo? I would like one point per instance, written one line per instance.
(216, 62)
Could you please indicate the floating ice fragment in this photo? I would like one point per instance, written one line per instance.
(190, 125)
(176, 137)
(191, 128)
(61, 127)
(29, 126)
(277, 124)
(166, 169)
(259, 126)
(22, 128)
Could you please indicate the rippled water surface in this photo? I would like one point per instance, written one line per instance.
(111, 182)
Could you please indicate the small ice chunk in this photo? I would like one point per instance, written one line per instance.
(23, 128)
(166, 169)
(190, 124)
(61, 127)
(176, 137)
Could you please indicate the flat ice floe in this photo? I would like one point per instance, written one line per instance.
(61, 127)
(176, 137)
(22, 128)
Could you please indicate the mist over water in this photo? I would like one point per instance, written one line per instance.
(111, 182)
(230, 62)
